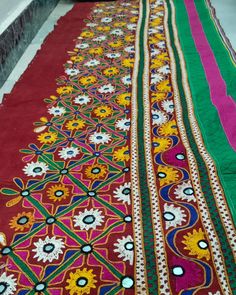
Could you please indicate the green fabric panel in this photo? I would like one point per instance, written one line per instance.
(222, 56)
(205, 112)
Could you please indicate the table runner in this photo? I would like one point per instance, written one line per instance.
(119, 190)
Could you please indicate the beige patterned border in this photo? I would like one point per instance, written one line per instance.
(140, 269)
(164, 286)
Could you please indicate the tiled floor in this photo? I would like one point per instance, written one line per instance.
(9, 10)
(61, 9)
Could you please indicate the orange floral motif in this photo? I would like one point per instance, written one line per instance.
(22, 221)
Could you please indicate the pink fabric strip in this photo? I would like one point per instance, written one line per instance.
(224, 104)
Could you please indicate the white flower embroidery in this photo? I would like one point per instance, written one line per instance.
(99, 137)
(88, 219)
(68, 152)
(3, 240)
(125, 248)
(72, 72)
(82, 46)
(173, 216)
(117, 32)
(123, 124)
(100, 38)
(123, 192)
(113, 55)
(106, 89)
(152, 31)
(48, 249)
(106, 20)
(35, 169)
(159, 117)
(161, 44)
(92, 63)
(131, 27)
(130, 49)
(156, 78)
(82, 99)
(7, 284)
(134, 12)
(57, 111)
(185, 191)
(154, 52)
(126, 80)
(91, 25)
(164, 69)
(168, 106)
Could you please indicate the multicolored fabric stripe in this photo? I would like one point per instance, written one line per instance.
(119, 194)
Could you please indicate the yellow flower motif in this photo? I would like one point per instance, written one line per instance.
(156, 22)
(115, 44)
(88, 80)
(22, 221)
(169, 128)
(75, 124)
(164, 86)
(153, 40)
(156, 97)
(161, 144)
(159, 37)
(64, 90)
(96, 50)
(129, 38)
(157, 63)
(103, 29)
(111, 71)
(119, 24)
(103, 111)
(124, 99)
(57, 192)
(134, 19)
(77, 58)
(197, 244)
(87, 34)
(47, 137)
(122, 154)
(167, 175)
(128, 62)
(163, 56)
(81, 282)
(96, 171)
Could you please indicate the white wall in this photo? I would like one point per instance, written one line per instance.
(226, 13)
